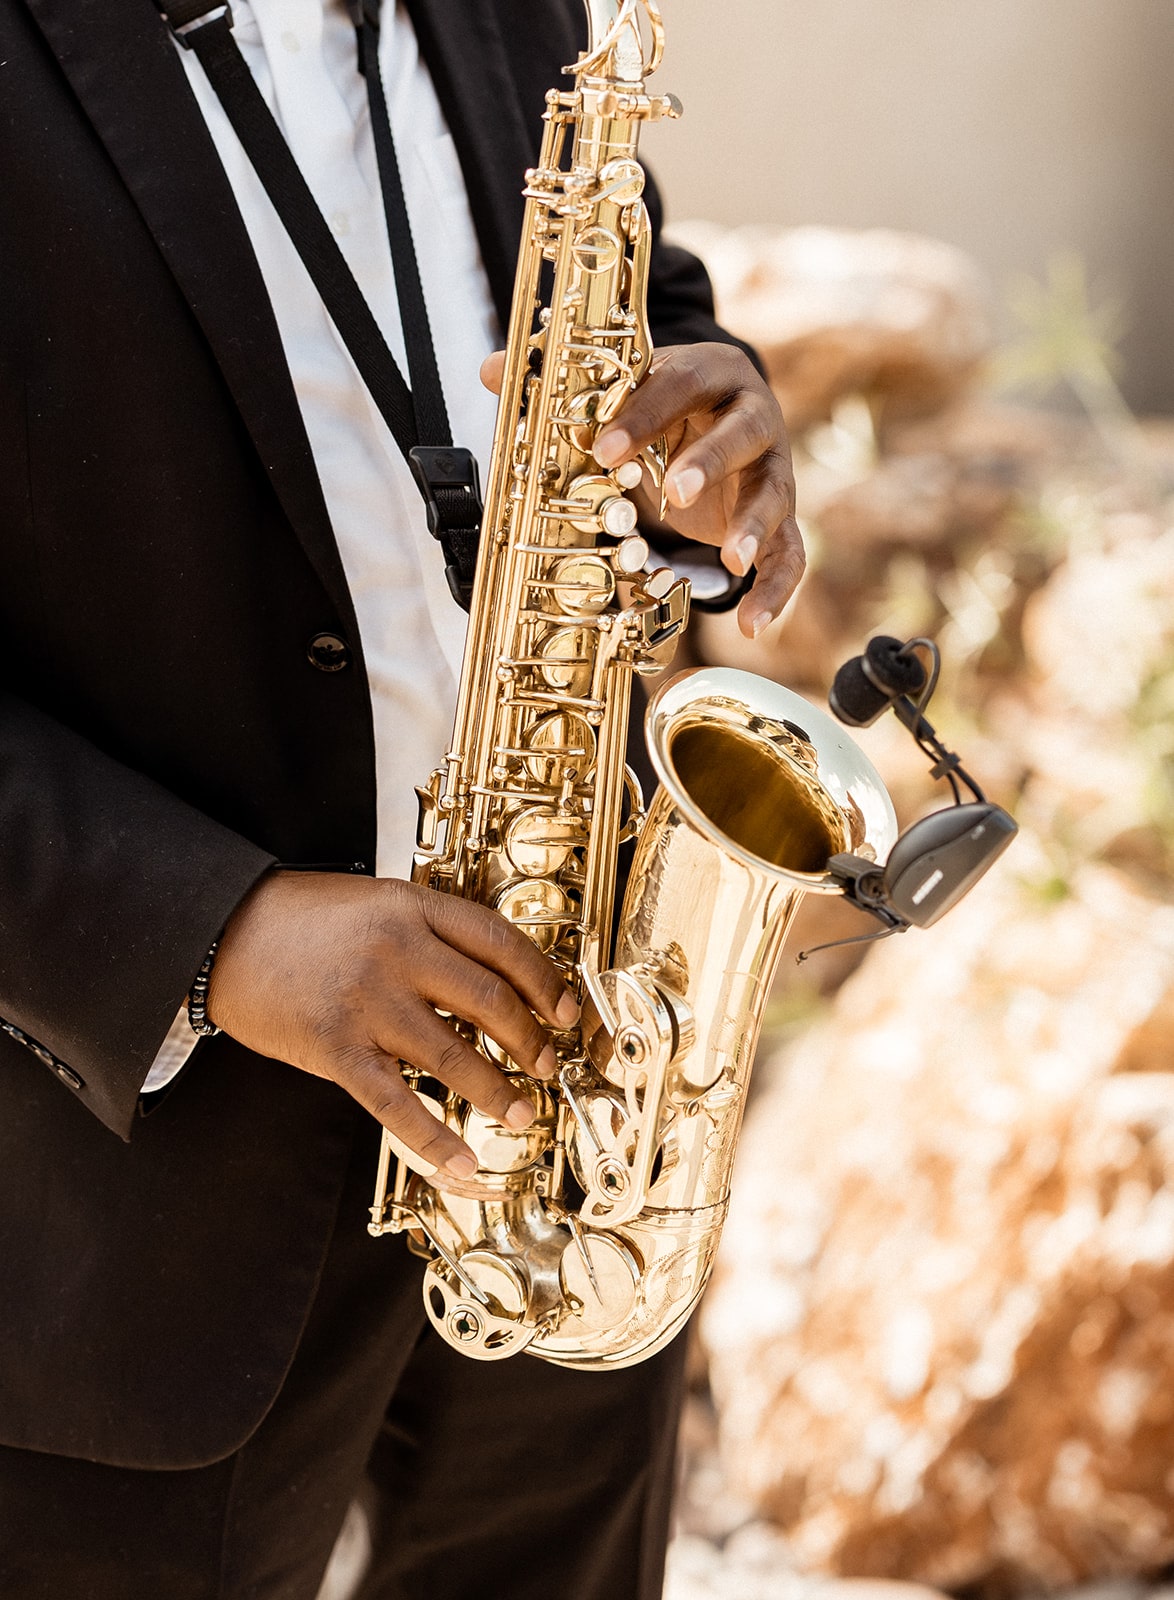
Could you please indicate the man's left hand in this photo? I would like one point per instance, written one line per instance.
(729, 481)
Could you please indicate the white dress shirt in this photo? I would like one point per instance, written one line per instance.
(302, 54)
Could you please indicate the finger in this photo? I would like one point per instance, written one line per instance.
(491, 941)
(686, 382)
(493, 371)
(747, 436)
(780, 567)
(766, 498)
(435, 1047)
(454, 983)
(375, 1080)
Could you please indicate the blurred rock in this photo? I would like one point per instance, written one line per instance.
(1114, 1589)
(915, 500)
(942, 1326)
(898, 318)
(1020, 442)
(939, 494)
(1094, 721)
(705, 1506)
(1103, 626)
(753, 1566)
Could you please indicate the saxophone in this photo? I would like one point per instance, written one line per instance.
(587, 1237)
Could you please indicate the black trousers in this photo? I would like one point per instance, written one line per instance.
(510, 1480)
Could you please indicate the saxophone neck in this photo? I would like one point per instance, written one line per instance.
(625, 42)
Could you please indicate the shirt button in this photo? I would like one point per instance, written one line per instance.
(328, 652)
(341, 223)
(69, 1076)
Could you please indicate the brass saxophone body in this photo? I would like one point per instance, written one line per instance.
(587, 1238)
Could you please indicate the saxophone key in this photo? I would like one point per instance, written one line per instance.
(622, 180)
(489, 1326)
(579, 421)
(503, 1150)
(596, 249)
(583, 585)
(600, 1116)
(593, 502)
(559, 746)
(567, 659)
(600, 1277)
(540, 908)
(539, 841)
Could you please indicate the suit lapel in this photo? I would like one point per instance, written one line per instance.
(125, 72)
(462, 45)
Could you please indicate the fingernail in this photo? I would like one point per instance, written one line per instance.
(612, 446)
(758, 622)
(566, 1013)
(519, 1115)
(461, 1166)
(547, 1064)
(686, 485)
(745, 552)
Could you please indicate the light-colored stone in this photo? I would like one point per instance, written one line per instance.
(754, 1565)
(901, 319)
(941, 1331)
(1093, 721)
(1103, 626)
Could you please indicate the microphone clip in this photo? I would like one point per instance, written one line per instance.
(939, 859)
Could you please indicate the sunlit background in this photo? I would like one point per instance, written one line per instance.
(1014, 129)
(940, 1344)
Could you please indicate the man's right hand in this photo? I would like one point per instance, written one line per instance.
(340, 976)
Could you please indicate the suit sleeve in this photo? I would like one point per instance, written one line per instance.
(111, 891)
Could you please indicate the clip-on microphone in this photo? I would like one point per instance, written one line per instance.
(939, 859)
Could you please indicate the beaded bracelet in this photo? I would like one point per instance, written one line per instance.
(198, 996)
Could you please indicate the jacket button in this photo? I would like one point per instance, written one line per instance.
(69, 1076)
(328, 652)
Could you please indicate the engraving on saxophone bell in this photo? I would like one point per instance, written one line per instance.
(586, 1237)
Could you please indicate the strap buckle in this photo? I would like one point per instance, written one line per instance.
(185, 18)
(451, 486)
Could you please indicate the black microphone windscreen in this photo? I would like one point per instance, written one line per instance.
(890, 666)
(854, 698)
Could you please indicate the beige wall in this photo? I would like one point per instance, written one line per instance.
(1015, 128)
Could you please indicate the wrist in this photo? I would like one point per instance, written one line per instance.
(253, 993)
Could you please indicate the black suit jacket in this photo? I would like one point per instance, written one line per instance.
(165, 557)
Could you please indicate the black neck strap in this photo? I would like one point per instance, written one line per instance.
(417, 417)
